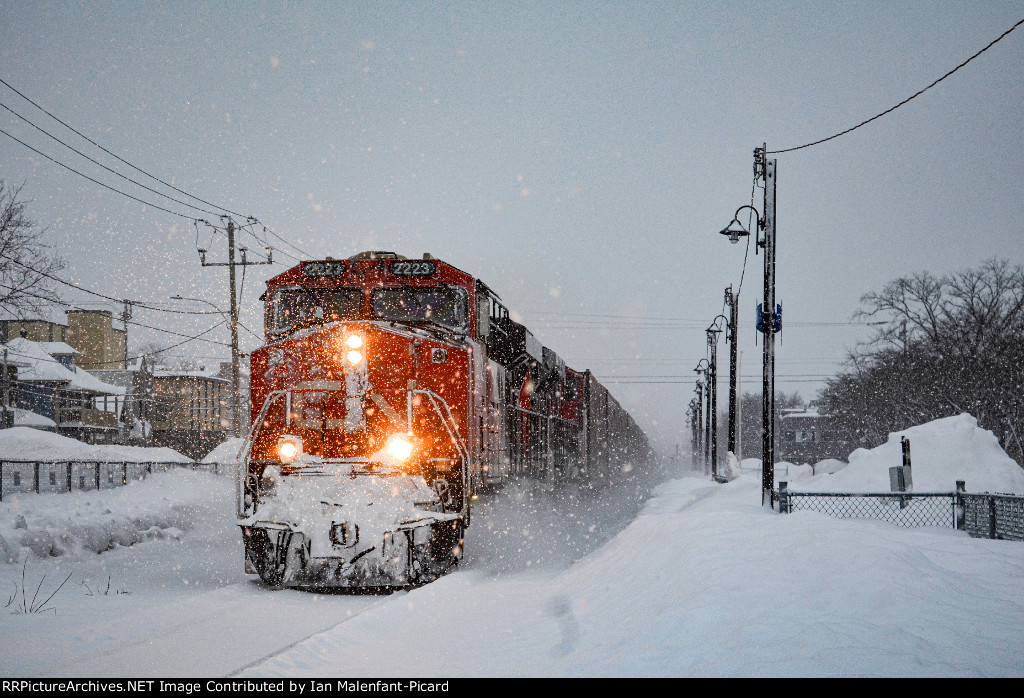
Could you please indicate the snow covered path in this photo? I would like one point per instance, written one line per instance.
(211, 634)
(702, 582)
(706, 583)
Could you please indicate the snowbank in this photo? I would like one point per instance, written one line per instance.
(23, 443)
(95, 521)
(226, 453)
(942, 452)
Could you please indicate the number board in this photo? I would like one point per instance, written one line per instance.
(412, 267)
(319, 269)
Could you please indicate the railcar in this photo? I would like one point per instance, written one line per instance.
(390, 391)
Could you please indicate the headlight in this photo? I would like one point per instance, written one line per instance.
(289, 448)
(353, 346)
(400, 447)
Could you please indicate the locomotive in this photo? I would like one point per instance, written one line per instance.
(390, 392)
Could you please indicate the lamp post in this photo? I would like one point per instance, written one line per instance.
(705, 409)
(712, 333)
(236, 397)
(698, 424)
(771, 323)
(732, 300)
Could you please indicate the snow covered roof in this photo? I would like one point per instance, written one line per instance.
(43, 367)
(808, 413)
(202, 372)
(52, 314)
(58, 348)
(25, 418)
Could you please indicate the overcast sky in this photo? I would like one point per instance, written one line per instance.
(578, 157)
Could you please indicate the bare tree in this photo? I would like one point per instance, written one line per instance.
(26, 262)
(947, 345)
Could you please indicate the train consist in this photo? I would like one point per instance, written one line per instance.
(389, 393)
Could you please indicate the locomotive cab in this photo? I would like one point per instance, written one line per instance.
(364, 451)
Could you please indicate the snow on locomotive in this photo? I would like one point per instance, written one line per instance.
(391, 391)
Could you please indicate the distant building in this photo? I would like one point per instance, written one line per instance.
(136, 415)
(48, 325)
(191, 409)
(809, 436)
(101, 338)
(80, 405)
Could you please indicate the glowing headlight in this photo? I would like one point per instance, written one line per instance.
(288, 448)
(400, 447)
(354, 341)
(354, 357)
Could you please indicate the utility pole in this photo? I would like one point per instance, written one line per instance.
(767, 170)
(8, 421)
(707, 423)
(731, 337)
(713, 398)
(700, 420)
(231, 264)
(126, 315)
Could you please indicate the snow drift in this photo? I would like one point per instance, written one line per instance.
(942, 452)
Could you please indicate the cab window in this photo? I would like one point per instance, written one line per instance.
(294, 308)
(442, 305)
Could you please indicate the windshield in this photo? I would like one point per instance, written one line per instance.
(293, 308)
(442, 305)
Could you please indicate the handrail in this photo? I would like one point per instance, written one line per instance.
(456, 437)
(247, 448)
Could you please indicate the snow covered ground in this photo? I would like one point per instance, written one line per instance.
(696, 580)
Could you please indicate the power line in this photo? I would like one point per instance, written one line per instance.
(95, 181)
(100, 164)
(138, 169)
(134, 304)
(131, 322)
(894, 108)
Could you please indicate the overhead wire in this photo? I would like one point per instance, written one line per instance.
(114, 155)
(132, 322)
(897, 106)
(135, 304)
(136, 168)
(95, 181)
(108, 169)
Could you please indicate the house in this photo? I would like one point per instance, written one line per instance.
(809, 436)
(136, 416)
(47, 325)
(80, 405)
(101, 338)
(190, 409)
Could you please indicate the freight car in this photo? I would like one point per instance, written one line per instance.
(390, 391)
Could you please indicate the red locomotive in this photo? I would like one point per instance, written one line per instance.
(390, 392)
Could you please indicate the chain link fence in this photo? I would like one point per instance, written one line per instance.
(980, 515)
(901, 509)
(43, 477)
(994, 516)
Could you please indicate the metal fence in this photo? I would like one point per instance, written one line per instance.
(980, 515)
(903, 509)
(44, 477)
(994, 516)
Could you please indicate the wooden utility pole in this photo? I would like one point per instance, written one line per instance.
(231, 264)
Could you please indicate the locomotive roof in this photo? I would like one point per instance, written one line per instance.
(366, 260)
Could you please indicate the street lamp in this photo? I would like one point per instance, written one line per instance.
(712, 332)
(703, 394)
(236, 397)
(735, 230)
(771, 321)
